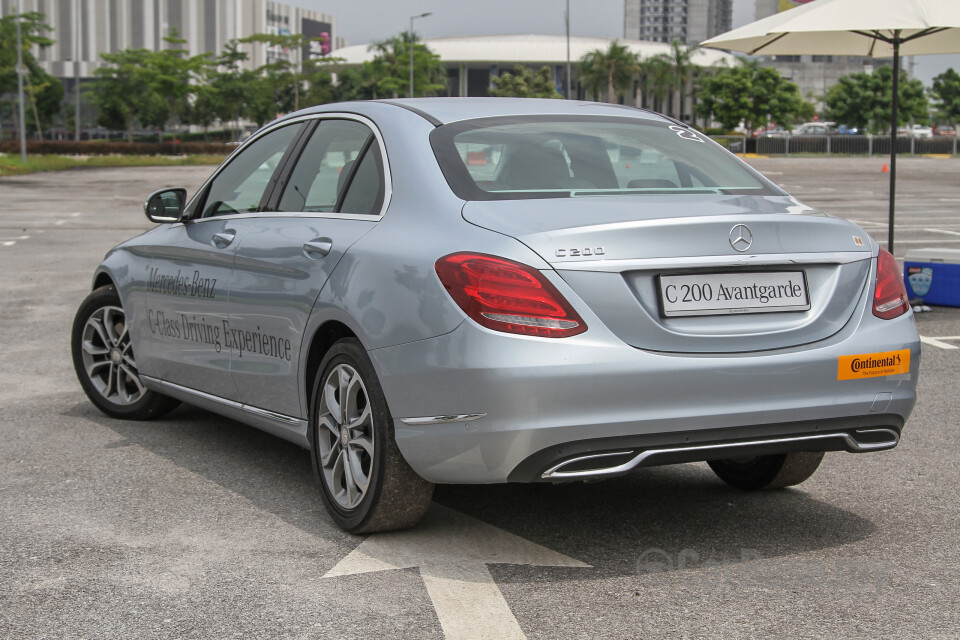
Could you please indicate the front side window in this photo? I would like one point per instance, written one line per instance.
(241, 185)
(516, 157)
(340, 170)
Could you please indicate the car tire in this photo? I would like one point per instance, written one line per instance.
(768, 472)
(104, 361)
(366, 484)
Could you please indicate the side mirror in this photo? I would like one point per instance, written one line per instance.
(165, 205)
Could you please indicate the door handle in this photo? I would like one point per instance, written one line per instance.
(318, 248)
(222, 239)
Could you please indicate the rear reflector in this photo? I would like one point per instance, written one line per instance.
(507, 296)
(890, 297)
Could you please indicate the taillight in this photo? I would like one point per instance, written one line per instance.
(890, 296)
(507, 296)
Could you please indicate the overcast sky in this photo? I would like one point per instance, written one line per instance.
(364, 21)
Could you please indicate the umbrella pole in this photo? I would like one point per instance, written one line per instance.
(894, 121)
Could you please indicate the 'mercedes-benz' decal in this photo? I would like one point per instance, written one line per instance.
(181, 285)
(218, 334)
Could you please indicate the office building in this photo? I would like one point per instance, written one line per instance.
(474, 62)
(687, 21)
(814, 74)
(107, 26)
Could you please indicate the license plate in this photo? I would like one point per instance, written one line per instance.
(707, 294)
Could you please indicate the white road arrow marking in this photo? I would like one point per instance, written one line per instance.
(452, 551)
(939, 342)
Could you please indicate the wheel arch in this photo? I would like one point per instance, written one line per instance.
(102, 278)
(322, 339)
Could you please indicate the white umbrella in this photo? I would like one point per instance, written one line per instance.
(874, 28)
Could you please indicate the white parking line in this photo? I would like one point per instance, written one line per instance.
(938, 342)
(949, 233)
(9, 242)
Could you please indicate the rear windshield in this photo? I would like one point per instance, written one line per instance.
(517, 157)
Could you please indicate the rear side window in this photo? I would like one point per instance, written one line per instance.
(562, 156)
(365, 193)
(340, 170)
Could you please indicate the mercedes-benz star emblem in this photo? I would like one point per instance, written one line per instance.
(740, 237)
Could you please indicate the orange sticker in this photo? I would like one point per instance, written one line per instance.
(871, 365)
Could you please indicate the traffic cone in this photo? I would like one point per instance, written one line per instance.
(885, 170)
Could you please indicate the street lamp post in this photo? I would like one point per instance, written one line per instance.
(412, 18)
(567, 21)
(23, 128)
(76, 72)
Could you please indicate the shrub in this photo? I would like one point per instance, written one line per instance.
(100, 148)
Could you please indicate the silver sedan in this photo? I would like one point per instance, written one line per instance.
(502, 290)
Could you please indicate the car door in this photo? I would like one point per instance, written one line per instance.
(334, 193)
(188, 267)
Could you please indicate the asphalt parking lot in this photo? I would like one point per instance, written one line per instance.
(194, 526)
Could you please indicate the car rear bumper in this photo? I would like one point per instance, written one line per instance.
(477, 406)
(609, 457)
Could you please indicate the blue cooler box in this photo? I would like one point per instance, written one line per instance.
(933, 275)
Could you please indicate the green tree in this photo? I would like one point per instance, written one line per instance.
(391, 67)
(290, 73)
(203, 110)
(682, 67)
(613, 69)
(43, 91)
(122, 91)
(225, 76)
(658, 80)
(524, 83)
(749, 93)
(320, 89)
(946, 89)
(172, 77)
(865, 100)
(319, 76)
(45, 95)
(263, 100)
(355, 84)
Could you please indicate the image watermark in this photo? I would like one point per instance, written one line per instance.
(749, 569)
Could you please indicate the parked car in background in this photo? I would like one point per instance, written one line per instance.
(771, 131)
(945, 131)
(921, 131)
(845, 130)
(815, 129)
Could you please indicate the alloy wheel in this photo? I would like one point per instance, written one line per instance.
(108, 357)
(345, 437)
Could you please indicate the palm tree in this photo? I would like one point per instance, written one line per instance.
(696, 80)
(680, 57)
(614, 68)
(387, 63)
(660, 79)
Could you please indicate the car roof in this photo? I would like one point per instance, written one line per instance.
(441, 111)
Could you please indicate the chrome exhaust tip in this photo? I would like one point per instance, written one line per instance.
(613, 463)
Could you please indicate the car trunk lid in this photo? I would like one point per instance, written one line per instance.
(616, 253)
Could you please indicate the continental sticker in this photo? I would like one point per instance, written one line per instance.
(871, 365)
